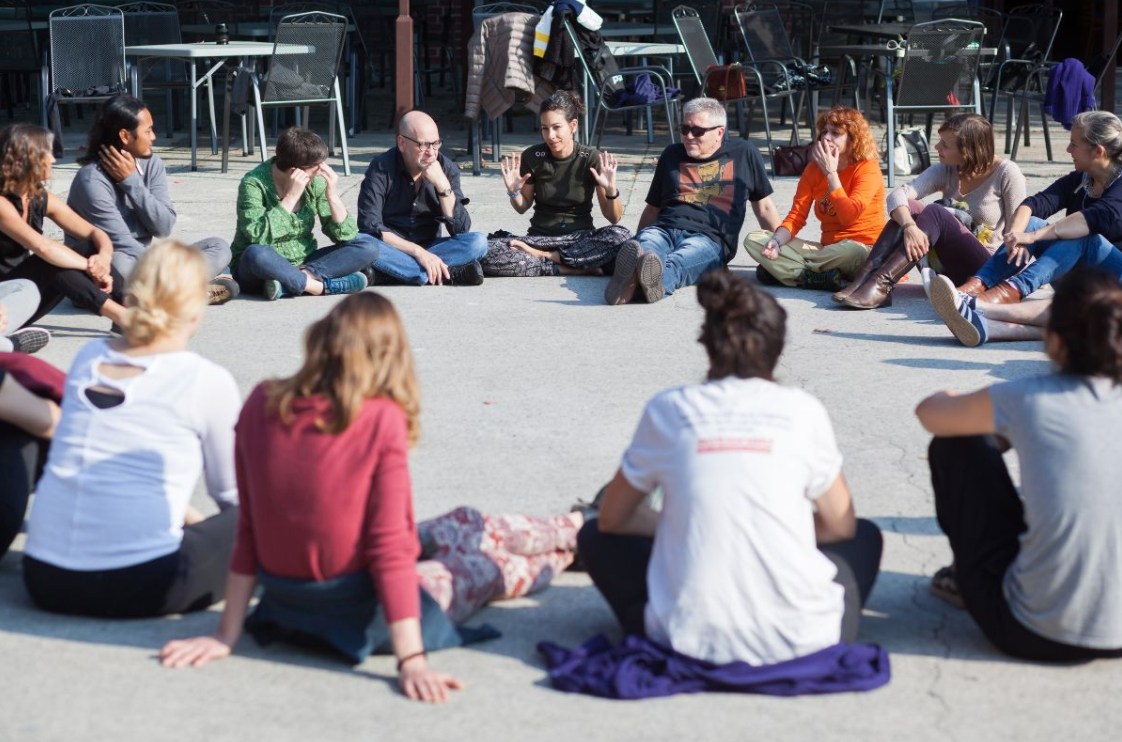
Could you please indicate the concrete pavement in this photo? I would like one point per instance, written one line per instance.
(531, 391)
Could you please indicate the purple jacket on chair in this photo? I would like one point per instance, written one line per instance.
(1071, 90)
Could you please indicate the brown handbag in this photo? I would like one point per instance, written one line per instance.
(792, 160)
(725, 82)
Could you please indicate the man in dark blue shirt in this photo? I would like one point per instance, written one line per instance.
(407, 194)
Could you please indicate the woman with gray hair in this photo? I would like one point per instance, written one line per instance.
(1090, 234)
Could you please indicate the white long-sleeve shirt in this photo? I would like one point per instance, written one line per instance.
(118, 480)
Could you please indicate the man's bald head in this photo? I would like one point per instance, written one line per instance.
(416, 133)
(419, 125)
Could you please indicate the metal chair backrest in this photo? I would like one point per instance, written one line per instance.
(940, 65)
(208, 11)
(846, 12)
(1030, 31)
(20, 50)
(801, 21)
(709, 11)
(151, 23)
(87, 48)
(1099, 67)
(481, 13)
(310, 76)
(765, 35)
(695, 39)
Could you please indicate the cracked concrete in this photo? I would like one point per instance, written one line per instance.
(531, 391)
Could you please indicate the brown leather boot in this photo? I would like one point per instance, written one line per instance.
(876, 290)
(1002, 293)
(973, 286)
(891, 237)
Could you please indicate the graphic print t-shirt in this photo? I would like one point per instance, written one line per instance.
(708, 196)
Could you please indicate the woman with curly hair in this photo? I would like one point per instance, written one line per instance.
(959, 232)
(1036, 567)
(756, 554)
(845, 187)
(326, 520)
(88, 279)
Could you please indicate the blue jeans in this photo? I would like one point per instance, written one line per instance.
(260, 263)
(685, 255)
(1054, 258)
(454, 251)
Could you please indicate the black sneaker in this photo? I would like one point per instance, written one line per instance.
(766, 279)
(830, 280)
(29, 340)
(466, 275)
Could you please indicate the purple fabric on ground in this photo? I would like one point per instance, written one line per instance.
(640, 668)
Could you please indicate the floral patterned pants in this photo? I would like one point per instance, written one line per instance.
(469, 559)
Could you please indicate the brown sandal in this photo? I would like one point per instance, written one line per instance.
(944, 585)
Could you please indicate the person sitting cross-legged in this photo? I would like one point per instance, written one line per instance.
(844, 187)
(1036, 566)
(695, 208)
(407, 194)
(122, 189)
(275, 251)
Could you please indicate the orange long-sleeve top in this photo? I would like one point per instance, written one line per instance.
(853, 212)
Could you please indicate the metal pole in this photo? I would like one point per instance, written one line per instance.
(403, 64)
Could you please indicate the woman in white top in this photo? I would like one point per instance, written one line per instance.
(958, 233)
(756, 554)
(141, 418)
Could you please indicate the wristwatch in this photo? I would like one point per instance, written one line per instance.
(442, 194)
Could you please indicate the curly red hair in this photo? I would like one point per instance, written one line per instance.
(862, 146)
(25, 159)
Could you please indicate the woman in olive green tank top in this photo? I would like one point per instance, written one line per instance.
(559, 179)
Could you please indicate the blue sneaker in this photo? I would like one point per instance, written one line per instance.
(351, 283)
(960, 312)
(272, 289)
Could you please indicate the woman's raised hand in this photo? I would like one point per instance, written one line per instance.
(511, 166)
(826, 156)
(605, 176)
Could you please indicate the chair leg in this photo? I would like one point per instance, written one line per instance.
(338, 115)
(1047, 136)
(260, 123)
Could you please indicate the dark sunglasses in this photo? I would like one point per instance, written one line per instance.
(697, 132)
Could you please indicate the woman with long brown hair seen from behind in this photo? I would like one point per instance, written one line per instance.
(88, 279)
(327, 525)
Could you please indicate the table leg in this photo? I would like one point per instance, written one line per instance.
(194, 118)
(213, 125)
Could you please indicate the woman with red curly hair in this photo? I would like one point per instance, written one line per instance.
(844, 184)
(84, 275)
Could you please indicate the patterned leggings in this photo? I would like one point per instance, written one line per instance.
(586, 248)
(470, 559)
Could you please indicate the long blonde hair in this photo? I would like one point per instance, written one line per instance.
(357, 352)
(166, 290)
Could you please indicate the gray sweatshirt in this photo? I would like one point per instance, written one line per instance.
(131, 212)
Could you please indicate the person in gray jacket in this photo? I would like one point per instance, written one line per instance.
(122, 189)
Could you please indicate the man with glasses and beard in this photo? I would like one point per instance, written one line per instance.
(407, 194)
(695, 208)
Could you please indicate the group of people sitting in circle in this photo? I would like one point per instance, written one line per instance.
(755, 554)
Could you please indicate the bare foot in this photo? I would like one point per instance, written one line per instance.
(532, 251)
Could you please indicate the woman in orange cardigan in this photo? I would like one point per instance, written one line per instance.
(844, 184)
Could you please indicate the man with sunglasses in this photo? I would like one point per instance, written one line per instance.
(408, 193)
(695, 208)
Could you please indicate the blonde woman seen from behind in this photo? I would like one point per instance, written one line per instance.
(111, 532)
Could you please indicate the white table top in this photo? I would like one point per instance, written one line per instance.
(210, 50)
(644, 49)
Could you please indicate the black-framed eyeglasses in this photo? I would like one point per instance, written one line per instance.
(697, 132)
(424, 145)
